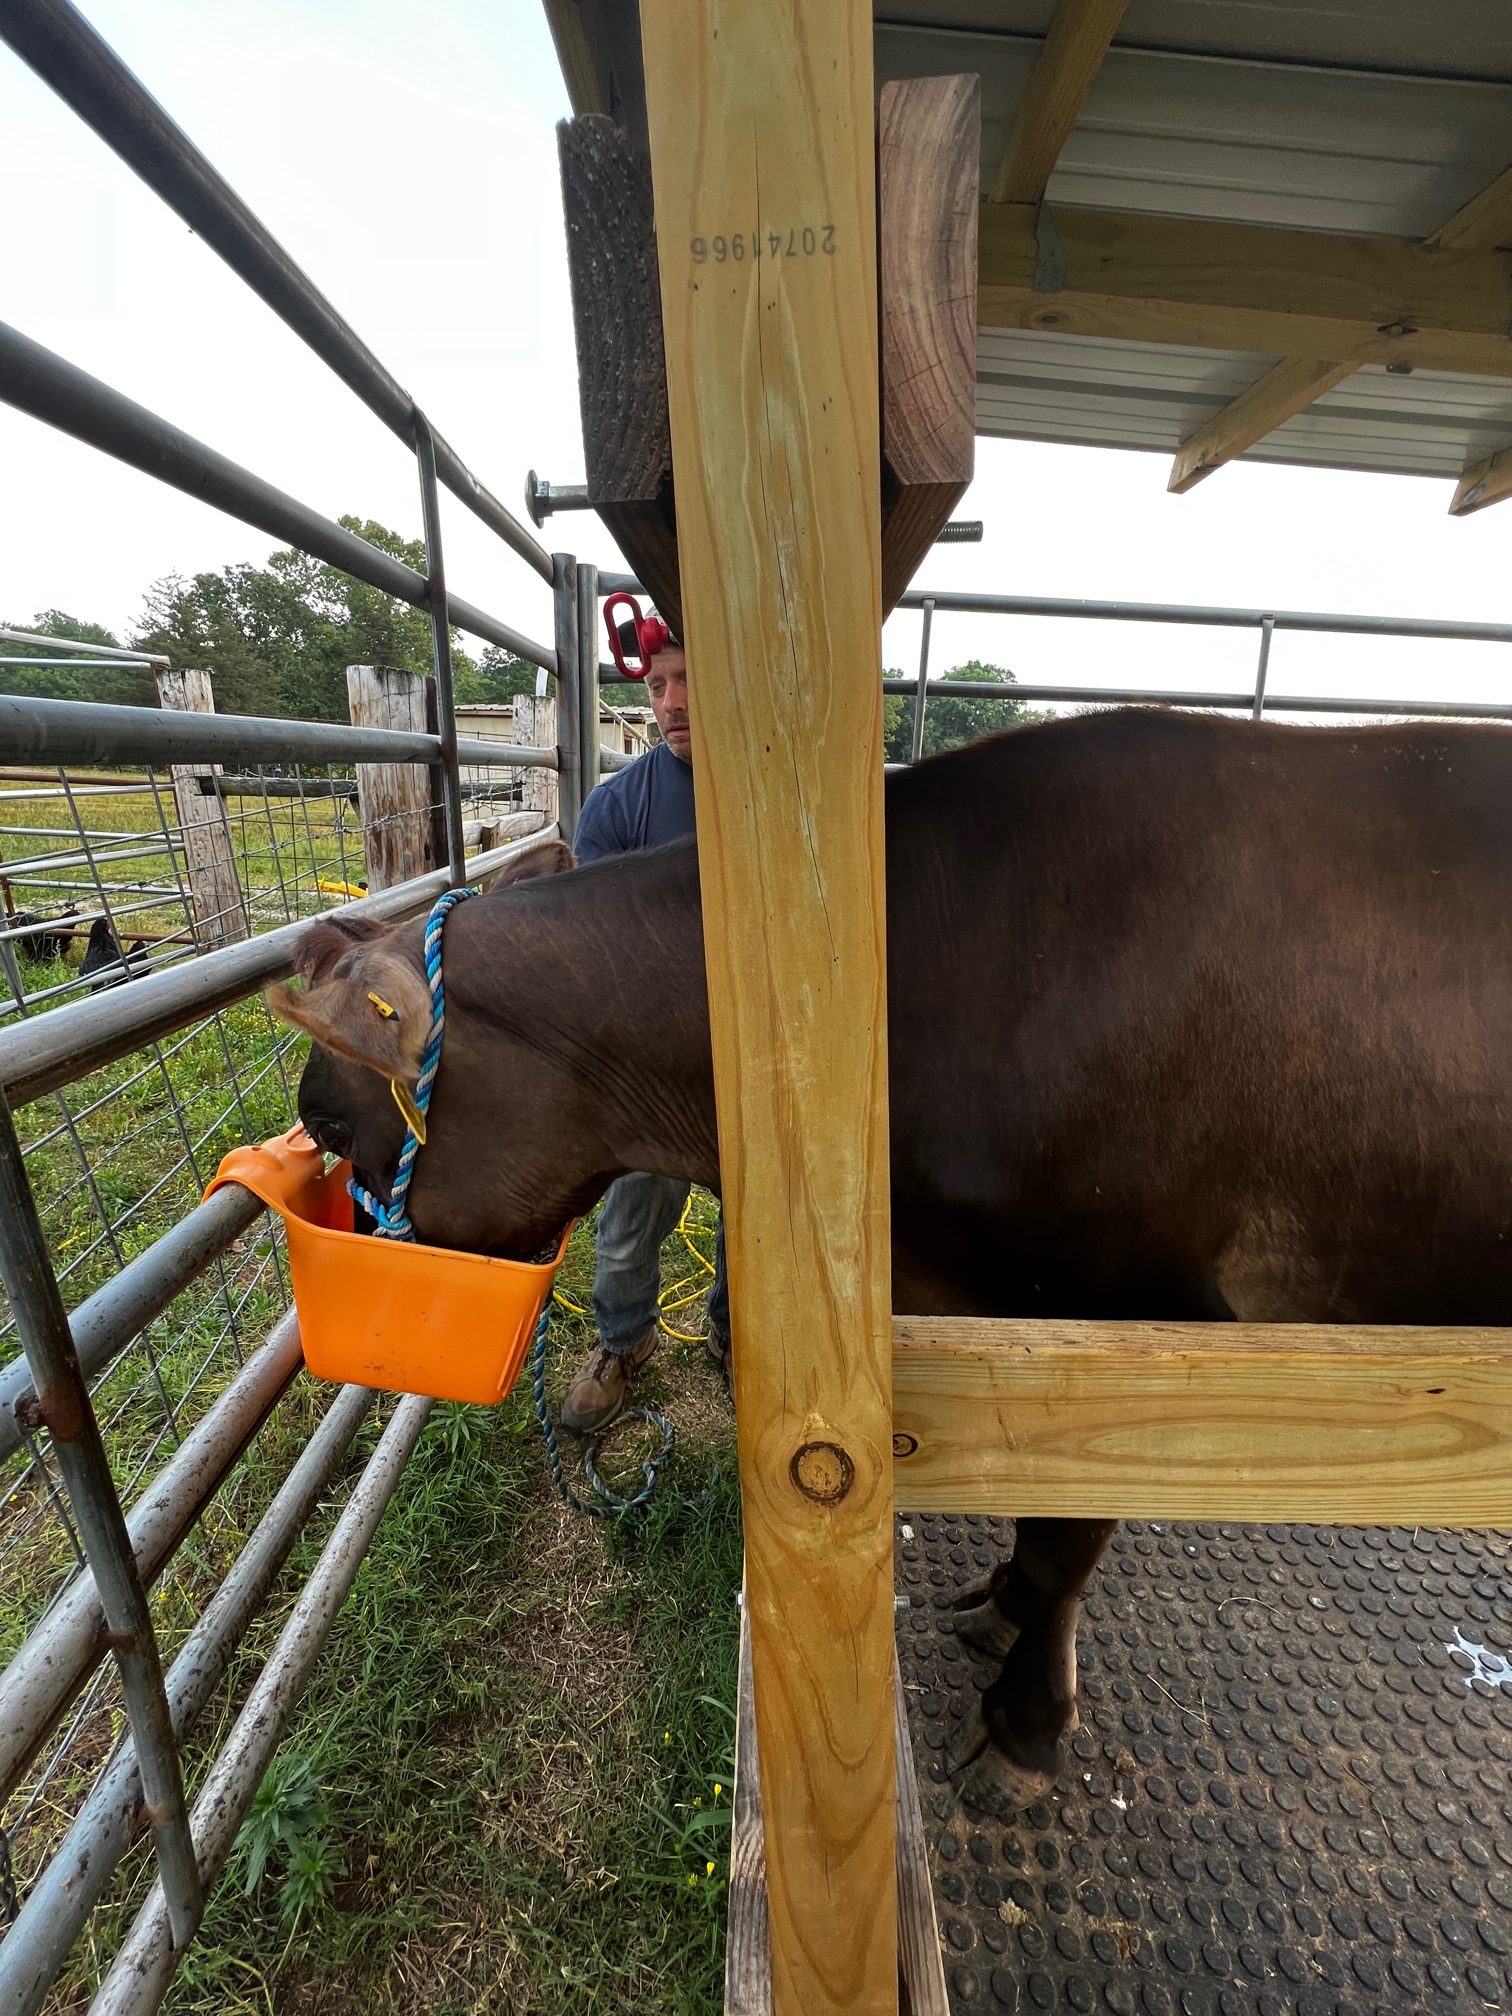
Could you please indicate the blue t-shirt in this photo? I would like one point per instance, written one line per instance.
(645, 805)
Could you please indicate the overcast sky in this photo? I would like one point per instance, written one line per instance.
(406, 158)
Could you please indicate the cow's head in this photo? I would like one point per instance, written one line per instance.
(365, 1003)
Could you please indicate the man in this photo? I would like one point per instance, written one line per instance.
(644, 805)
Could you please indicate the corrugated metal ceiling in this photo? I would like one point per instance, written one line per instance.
(1361, 116)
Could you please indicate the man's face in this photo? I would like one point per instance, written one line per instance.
(667, 690)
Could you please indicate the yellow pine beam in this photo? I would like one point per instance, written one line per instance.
(1072, 54)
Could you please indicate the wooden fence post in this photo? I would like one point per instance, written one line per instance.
(215, 892)
(535, 727)
(394, 800)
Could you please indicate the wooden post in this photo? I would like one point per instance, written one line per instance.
(763, 162)
(535, 727)
(394, 799)
(215, 892)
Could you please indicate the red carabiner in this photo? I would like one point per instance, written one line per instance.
(651, 635)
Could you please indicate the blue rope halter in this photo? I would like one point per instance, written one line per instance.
(392, 1220)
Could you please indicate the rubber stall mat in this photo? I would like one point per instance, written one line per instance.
(1291, 1793)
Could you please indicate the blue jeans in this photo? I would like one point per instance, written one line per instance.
(637, 1214)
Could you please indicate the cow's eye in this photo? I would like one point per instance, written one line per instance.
(329, 1133)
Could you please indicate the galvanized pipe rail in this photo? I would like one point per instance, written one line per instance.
(96, 731)
(145, 1963)
(1245, 701)
(79, 1873)
(59, 44)
(49, 1388)
(39, 382)
(119, 1311)
(122, 654)
(39, 1056)
(67, 1643)
(26, 1271)
(1217, 616)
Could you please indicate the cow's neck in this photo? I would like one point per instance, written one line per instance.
(606, 989)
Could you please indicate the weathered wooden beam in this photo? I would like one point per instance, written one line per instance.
(1074, 47)
(396, 801)
(762, 122)
(1348, 1425)
(1259, 410)
(1251, 287)
(1485, 220)
(219, 909)
(622, 371)
(1485, 482)
(929, 143)
(748, 1957)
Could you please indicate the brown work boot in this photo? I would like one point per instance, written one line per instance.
(717, 1344)
(601, 1387)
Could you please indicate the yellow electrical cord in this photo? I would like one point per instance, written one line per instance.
(673, 1297)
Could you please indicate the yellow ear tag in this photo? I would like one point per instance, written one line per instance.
(414, 1118)
(385, 1008)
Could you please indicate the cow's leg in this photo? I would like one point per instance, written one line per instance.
(1009, 1757)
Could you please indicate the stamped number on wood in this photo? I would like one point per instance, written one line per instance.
(798, 242)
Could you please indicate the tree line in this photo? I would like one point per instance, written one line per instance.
(277, 640)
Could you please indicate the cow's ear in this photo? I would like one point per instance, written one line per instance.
(552, 857)
(364, 997)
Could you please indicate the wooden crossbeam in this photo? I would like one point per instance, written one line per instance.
(1346, 1425)
(1072, 54)
(1485, 482)
(1259, 410)
(1252, 287)
(762, 120)
(1294, 383)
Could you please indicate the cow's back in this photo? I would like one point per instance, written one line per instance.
(1192, 1016)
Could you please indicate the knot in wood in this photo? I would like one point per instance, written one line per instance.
(822, 1471)
(905, 1445)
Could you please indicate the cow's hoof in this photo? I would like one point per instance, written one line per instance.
(972, 1594)
(994, 1785)
(967, 1744)
(986, 1629)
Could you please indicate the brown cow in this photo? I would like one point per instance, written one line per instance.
(1189, 1018)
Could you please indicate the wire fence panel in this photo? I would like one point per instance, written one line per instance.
(102, 881)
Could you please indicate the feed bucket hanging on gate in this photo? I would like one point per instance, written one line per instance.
(381, 1312)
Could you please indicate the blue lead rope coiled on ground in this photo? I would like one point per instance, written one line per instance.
(392, 1221)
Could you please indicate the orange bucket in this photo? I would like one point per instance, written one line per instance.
(385, 1312)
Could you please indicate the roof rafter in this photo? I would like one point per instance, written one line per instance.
(1071, 56)
(1260, 408)
(1485, 482)
(1485, 220)
(1295, 382)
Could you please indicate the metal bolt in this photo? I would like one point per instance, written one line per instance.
(960, 532)
(542, 498)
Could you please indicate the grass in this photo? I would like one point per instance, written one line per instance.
(508, 1782)
(511, 1772)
